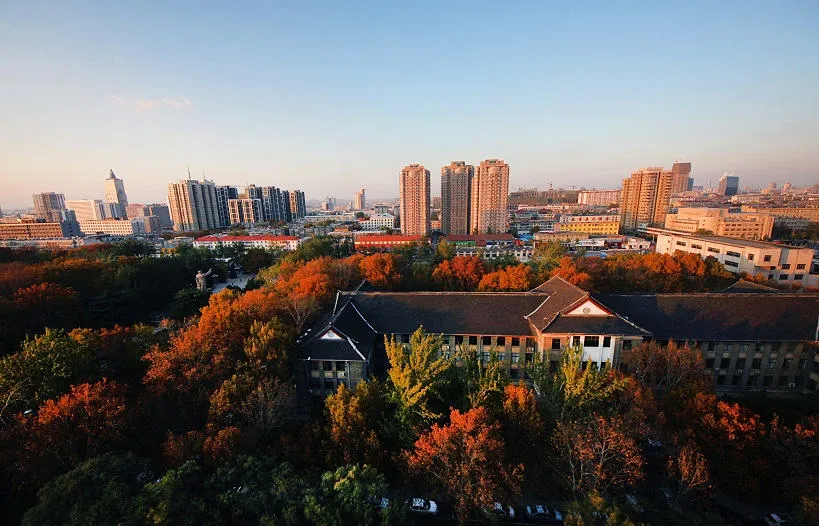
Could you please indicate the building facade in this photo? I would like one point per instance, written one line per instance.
(48, 205)
(414, 192)
(377, 222)
(783, 264)
(86, 209)
(115, 193)
(223, 195)
(598, 197)
(456, 188)
(193, 205)
(38, 230)
(602, 225)
(489, 197)
(245, 211)
(645, 198)
(728, 185)
(265, 242)
(298, 205)
(721, 222)
(385, 242)
(359, 200)
(782, 214)
(121, 227)
(681, 180)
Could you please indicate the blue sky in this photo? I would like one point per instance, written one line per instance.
(330, 96)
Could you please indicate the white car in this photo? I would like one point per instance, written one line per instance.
(422, 506)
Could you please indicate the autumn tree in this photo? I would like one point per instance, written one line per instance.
(668, 367)
(468, 450)
(416, 376)
(459, 273)
(482, 382)
(596, 453)
(381, 270)
(511, 278)
(353, 417)
(690, 470)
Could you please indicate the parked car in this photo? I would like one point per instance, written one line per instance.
(543, 514)
(778, 519)
(422, 506)
(499, 511)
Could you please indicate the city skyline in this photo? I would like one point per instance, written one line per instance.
(567, 109)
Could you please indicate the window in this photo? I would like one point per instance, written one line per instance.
(740, 363)
(315, 365)
(514, 374)
(485, 357)
(709, 363)
(473, 340)
(736, 379)
(606, 341)
(786, 364)
(329, 385)
(530, 357)
(750, 257)
(575, 341)
(341, 366)
(798, 276)
(753, 380)
(721, 379)
(712, 346)
(681, 243)
(798, 380)
(698, 247)
(783, 276)
(627, 345)
(786, 266)
(733, 254)
(756, 363)
(803, 364)
(555, 344)
(800, 266)
(515, 342)
(328, 366)
(591, 341)
(487, 341)
(515, 357)
(770, 276)
(501, 341)
(767, 258)
(783, 381)
(714, 250)
(731, 263)
(553, 365)
(459, 340)
(502, 356)
(530, 343)
(767, 380)
(772, 364)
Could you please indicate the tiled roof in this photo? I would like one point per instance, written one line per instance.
(720, 316)
(594, 325)
(384, 238)
(746, 286)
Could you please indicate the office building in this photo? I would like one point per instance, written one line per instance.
(245, 211)
(20, 229)
(721, 222)
(359, 200)
(377, 222)
(193, 205)
(115, 193)
(783, 264)
(48, 205)
(86, 209)
(598, 197)
(488, 198)
(223, 194)
(134, 210)
(413, 189)
(645, 198)
(728, 185)
(120, 227)
(680, 178)
(456, 187)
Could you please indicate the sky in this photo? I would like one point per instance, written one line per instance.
(332, 96)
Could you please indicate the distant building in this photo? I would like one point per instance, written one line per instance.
(377, 222)
(602, 225)
(298, 205)
(245, 211)
(386, 242)
(721, 222)
(223, 195)
(86, 209)
(782, 214)
(728, 185)
(645, 198)
(456, 187)
(163, 214)
(598, 197)
(48, 205)
(783, 264)
(680, 178)
(265, 242)
(121, 227)
(414, 192)
(38, 230)
(115, 193)
(481, 240)
(329, 204)
(359, 200)
(193, 205)
(489, 196)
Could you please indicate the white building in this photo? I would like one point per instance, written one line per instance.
(265, 242)
(377, 222)
(121, 227)
(598, 197)
(783, 264)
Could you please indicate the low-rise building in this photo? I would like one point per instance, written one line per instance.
(386, 242)
(377, 222)
(521, 253)
(721, 222)
(811, 213)
(21, 229)
(601, 225)
(266, 242)
(121, 227)
(598, 197)
(481, 240)
(783, 264)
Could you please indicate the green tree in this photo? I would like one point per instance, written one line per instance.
(482, 383)
(350, 495)
(179, 497)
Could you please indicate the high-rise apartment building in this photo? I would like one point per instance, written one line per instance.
(193, 205)
(359, 200)
(645, 198)
(489, 196)
(115, 193)
(298, 205)
(414, 193)
(681, 180)
(456, 185)
(48, 206)
(728, 185)
(223, 195)
(245, 211)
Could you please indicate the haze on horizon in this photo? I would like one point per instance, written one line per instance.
(332, 96)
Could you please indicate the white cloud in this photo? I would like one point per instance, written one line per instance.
(180, 103)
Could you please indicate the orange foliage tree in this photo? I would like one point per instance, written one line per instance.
(459, 273)
(512, 278)
(381, 270)
(465, 458)
(352, 418)
(668, 367)
(690, 469)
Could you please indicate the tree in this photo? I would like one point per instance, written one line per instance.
(459, 273)
(483, 383)
(512, 278)
(545, 257)
(468, 450)
(102, 490)
(353, 419)
(668, 367)
(596, 453)
(445, 250)
(179, 497)
(416, 376)
(690, 470)
(381, 270)
(347, 496)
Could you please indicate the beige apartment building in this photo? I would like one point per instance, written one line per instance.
(121, 227)
(783, 212)
(721, 222)
(414, 193)
(489, 196)
(456, 185)
(645, 198)
(245, 211)
(602, 225)
(681, 178)
(598, 197)
(782, 264)
(193, 205)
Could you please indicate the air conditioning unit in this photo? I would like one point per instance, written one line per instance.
(791, 385)
(738, 372)
(754, 372)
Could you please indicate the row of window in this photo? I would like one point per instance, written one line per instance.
(588, 341)
(756, 363)
(767, 381)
